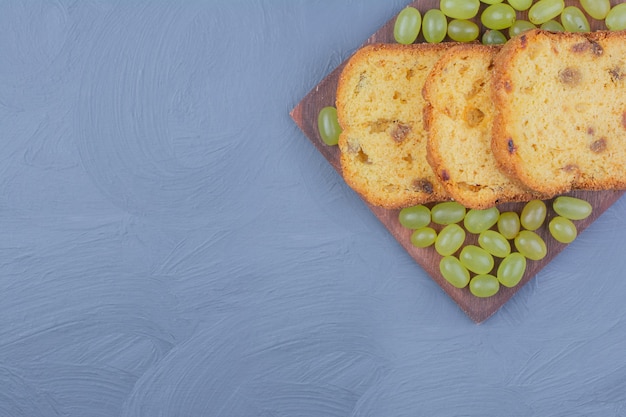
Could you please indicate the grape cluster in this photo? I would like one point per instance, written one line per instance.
(495, 232)
(454, 19)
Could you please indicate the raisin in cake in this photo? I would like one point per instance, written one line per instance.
(380, 110)
(561, 110)
(459, 119)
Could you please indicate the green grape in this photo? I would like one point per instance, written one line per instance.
(519, 27)
(574, 20)
(423, 237)
(572, 208)
(511, 269)
(414, 217)
(484, 285)
(492, 1)
(328, 125)
(553, 26)
(434, 26)
(494, 243)
(520, 5)
(455, 273)
(493, 37)
(509, 224)
(463, 30)
(562, 229)
(531, 245)
(616, 18)
(598, 9)
(476, 259)
(459, 9)
(449, 240)
(407, 26)
(533, 215)
(447, 213)
(544, 10)
(498, 16)
(477, 221)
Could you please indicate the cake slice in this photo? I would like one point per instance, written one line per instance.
(380, 109)
(561, 110)
(459, 119)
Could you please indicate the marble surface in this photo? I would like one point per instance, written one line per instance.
(173, 245)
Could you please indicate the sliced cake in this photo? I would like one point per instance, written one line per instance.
(459, 119)
(380, 109)
(560, 102)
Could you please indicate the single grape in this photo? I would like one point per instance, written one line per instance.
(447, 212)
(509, 224)
(531, 245)
(519, 27)
(493, 37)
(492, 1)
(533, 215)
(423, 237)
(511, 269)
(434, 26)
(477, 221)
(476, 259)
(616, 18)
(459, 9)
(574, 20)
(520, 5)
(454, 272)
(562, 229)
(571, 207)
(484, 285)
(544, 10)
(598, 9)
(449, 240)
(407, 26)
(552, 26)
(328, 125)
(494, 243)
(414, 217)
(463, 30)
(498, 16)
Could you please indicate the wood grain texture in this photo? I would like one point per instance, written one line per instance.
(305, 116)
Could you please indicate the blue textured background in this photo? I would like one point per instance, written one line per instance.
(172, 245)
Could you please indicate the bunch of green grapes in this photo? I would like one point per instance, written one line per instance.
(507, 236)
(454, 19)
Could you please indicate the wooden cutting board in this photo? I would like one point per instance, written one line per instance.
(478, 309)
